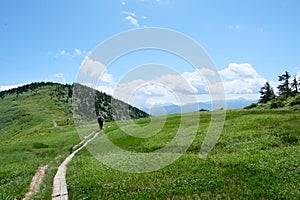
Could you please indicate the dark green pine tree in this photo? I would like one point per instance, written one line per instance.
(294, 86)
(267, 93)
(284, 88)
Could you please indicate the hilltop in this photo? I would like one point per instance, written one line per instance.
(62, 96)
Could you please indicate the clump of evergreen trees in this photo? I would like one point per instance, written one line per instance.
(288, 93)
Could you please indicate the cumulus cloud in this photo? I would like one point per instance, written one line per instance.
(95, 70)
(239, 71)
(196, 82)
(168, 88)
(241, 80)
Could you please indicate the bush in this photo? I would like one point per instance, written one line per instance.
(276, 103)
(293, 101)
(252, 105)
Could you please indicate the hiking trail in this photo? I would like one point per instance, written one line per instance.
(60, 191)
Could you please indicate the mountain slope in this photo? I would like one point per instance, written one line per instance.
(37, 129)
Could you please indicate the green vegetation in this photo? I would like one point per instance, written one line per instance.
(29, 139)
(257, 156)
(288, 94)
(37, 128)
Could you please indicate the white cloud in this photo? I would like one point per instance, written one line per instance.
(95, 70)
(8, 87)
(241, 80)
(143, 17)
(168, 88)
(107, 89)
(129, 13)
(298, 75)
(65, 53)
(196, 82)
(60, 76)
(132, 20)
(123, 3)
(77, 51)
(239, 71)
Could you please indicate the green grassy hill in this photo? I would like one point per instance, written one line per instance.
(37, 128)
(257, 155)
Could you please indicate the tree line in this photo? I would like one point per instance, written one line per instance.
(288, 92)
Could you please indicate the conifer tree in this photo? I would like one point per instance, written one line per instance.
(284, 88)
(267, 93)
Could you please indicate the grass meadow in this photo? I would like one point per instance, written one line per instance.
(257, 155)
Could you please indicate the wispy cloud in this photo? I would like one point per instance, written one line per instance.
(132, 20)
(71, 54)
(128, 13)
(60, 76)
(166, 2)
(234, 27)
(123, 2)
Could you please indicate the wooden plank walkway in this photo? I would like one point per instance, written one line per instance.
(60, 191)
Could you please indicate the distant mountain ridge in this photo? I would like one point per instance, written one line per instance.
(173, 109)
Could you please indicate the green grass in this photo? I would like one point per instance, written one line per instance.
(257, 156)
(28, 140)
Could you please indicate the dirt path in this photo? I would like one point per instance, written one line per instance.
(36, 181)
(60, 191)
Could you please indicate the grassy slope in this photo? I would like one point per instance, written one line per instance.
(257, 156)
(28, 139)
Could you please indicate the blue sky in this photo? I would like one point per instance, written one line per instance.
(48, 40)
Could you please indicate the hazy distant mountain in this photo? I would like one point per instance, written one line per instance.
(172, 109)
